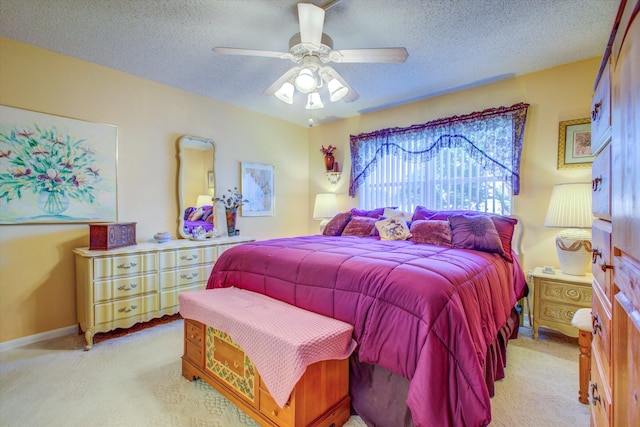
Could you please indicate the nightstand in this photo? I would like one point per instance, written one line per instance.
(556, 298)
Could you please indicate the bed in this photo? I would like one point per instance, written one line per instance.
(198, 217)
(431, 321)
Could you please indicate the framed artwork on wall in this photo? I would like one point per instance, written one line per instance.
(56, 169)
(574, 144)
(211, 179)
(258, 189)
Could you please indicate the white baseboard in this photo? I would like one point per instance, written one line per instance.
(56, 333)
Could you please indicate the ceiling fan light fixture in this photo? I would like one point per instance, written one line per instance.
(337, 90)
(285, 93)
(313, 101)
(305, 81)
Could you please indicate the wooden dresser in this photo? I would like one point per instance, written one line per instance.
(615, 136)
(120, 287)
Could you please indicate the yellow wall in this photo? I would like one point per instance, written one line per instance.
(557, 94)
(37, 282)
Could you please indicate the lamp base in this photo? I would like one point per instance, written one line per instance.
(323, 224)
(574, 250)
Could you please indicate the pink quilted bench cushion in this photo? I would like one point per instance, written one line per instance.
(279, 338)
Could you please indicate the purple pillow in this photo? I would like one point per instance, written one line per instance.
(336, 225)
(504, 224)
(421, 212)
(360, 226)
(432, 232)
(375, 213)
(475, 232)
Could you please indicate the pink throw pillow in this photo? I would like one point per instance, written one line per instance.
(360, 226)
(337, 224)
(431, 232)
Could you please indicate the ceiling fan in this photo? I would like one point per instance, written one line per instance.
(311, 50)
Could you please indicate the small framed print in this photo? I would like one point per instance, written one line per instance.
(258, 189)
(211, 179)
(574, 144)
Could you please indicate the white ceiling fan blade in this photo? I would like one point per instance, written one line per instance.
(283, 78)
(391, 54)
(311, 19)
(329, 73)
(251, 52)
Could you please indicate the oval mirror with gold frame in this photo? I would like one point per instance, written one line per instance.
(196, 180)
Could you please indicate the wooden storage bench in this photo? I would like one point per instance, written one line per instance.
(320, 397)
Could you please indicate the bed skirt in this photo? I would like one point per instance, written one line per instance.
(379, 396)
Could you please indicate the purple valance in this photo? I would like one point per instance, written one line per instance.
(492, 137)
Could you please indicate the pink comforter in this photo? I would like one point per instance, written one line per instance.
(425, 312)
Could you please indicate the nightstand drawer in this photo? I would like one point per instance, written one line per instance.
(565, 293)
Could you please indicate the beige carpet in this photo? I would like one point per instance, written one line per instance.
(135, 380)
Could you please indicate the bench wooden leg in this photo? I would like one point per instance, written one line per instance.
(584, 340)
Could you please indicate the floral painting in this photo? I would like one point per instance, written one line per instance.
(257, 187)
(55, 169)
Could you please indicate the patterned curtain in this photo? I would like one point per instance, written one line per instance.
(492, 137)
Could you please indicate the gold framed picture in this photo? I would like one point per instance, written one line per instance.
(574, 144)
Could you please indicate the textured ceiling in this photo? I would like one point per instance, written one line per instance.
(452, 44)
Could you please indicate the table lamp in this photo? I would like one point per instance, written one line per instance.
(204, 200)
(570, 209)
(325, 208)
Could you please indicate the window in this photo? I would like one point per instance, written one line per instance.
(467, 162)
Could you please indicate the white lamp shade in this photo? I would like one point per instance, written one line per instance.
(204, 200)
(326, 206)
(285, 93)
(305, 81)
(570, 206)
(337, 90)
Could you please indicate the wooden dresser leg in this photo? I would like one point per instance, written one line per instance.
(584, 340)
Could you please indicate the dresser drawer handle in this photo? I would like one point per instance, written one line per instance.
(188, 257)
(274, 412)
(126, 310)
(125, 288)
(595, 397)
(596, 111)
(595, 253)
(596, 182)
(189, 276)
(595, 324)
(125, 266)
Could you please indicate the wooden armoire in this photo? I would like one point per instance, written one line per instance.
(615, 139)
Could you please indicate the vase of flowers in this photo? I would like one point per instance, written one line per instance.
(328, 157)
(54, 166)
(231, 203)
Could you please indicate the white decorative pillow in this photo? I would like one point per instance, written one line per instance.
(389, 212)
(394, 228)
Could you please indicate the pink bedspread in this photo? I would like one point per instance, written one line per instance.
(280, 339)
(425, 312)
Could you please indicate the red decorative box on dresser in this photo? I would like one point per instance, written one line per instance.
(615, 139)
(112, 235)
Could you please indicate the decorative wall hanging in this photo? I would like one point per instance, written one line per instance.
(56, 169)
(574, 144)
(258, 188)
